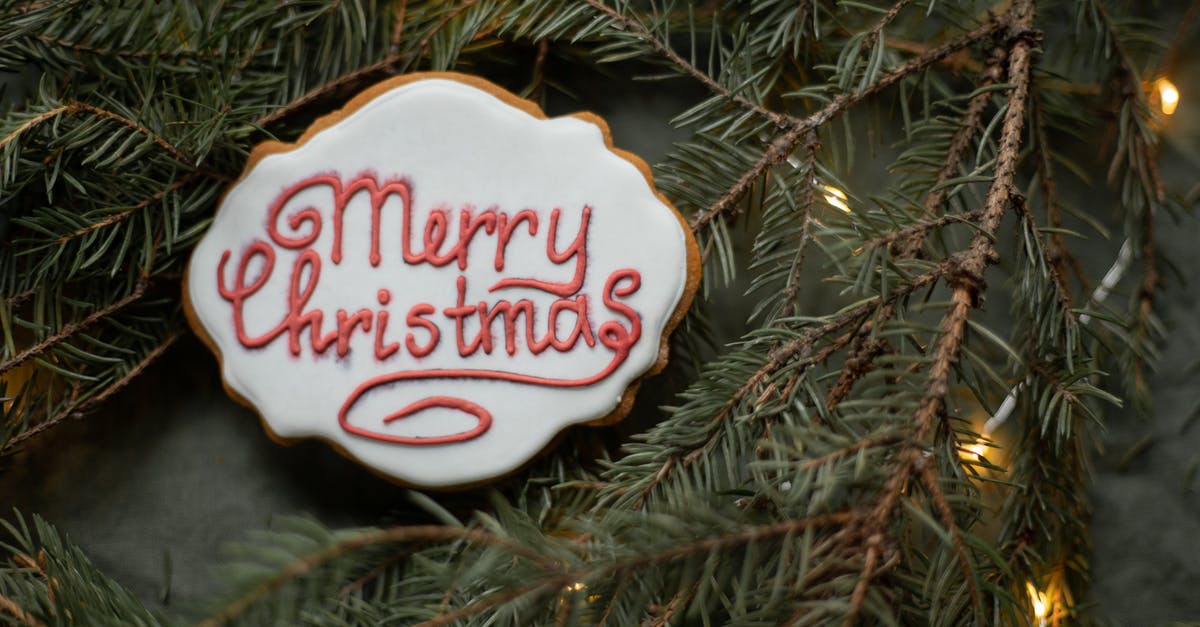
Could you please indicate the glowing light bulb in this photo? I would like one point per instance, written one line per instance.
(974, 452)
(1168, 95)
(1039, 601)
(577, 586)
(836, 198)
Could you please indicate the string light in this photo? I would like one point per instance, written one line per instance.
(974, 452)
(1040, 602)
(836, 198)
(1168, 95)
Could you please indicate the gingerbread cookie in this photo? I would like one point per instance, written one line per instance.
(438, 279)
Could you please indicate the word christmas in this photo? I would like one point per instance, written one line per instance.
(439, 280)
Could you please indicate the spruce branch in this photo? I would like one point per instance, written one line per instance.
(363, 540)
(69, 330)
(1053, 263)
(967, 285)
(10, 607)
(1061, 261)
(963, 137)
(74, 408)
(663, 48)
(386, 65)
(799, 353)
(783, 145)
(808, 199)
(125, 214)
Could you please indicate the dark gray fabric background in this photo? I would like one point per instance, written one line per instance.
(171, 470)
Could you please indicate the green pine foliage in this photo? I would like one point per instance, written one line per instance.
(816, 470)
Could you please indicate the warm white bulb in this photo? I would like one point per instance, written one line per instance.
(974, 452)
(1168, 95)
(1038, 598)
(836, 198)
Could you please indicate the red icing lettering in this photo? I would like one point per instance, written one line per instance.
(240, 291)
(583, 324)
(505, 229)
(577, 249)
(416, 318)
(460, 314)
(345, 326)
(508, 311)
(295, 224)
(383, 351)
(467, 227)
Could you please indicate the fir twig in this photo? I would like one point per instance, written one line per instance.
(70, 329)
(94, 401)
(374, 537)
(784, 144)
(663, 48)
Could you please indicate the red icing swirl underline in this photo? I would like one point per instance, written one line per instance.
(612, 335)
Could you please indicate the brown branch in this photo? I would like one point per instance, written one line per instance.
(776, 152)
(1052, 259)
(942, 505)
(956, 62)
(32, 122)
(71, 328)
(1146, 290)
(872, 37)
(808, 199)
(919, 229)
(622, 583)
(961, 141)
(966, 280)
(866, 443)
(1143, 161)
(107, 392)
(865, 350)
(802, 348)
(398, 26)
(82, 107)
(490, 602)
(861, 359)
(634, 26)
(737, 538)
(859, 595)
(667, 612)
(134, 54)
(539, 71)
(124, 214)
(778, 360)
(783, 145)
(128, 123)
(560, 579)
(1060, 258)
